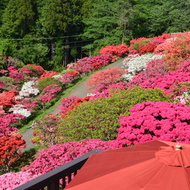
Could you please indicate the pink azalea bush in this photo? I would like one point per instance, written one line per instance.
(12, 180)
(57, 155)
(104, 90)
(47, 94)
(66, 103)
(6, 122)
(155, 120)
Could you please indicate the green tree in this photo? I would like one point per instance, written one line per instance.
(109, 22)
(170, 16)
(3, 4)
(17, 19)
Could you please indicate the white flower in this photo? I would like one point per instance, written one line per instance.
(57, 76)
(23, 112)
(128, 77)
(138, 64)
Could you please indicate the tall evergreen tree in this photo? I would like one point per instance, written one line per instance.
(170, 16)
(109, 22)
(3, 4)
(17, 19)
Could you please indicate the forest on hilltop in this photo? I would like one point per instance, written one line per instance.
(52, 33)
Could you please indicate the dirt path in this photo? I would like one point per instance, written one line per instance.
(80, 92)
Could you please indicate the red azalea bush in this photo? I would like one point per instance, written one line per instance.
(10, 150)
(134, 41)
(39, 69)
(57, 155)
(108, 76)
(8, 98)
(48, 74)
(164, 36)
(72, 73)
(115, 50)
(155, 120)
(147, 48)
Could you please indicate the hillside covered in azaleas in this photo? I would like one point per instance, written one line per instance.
(149, 99)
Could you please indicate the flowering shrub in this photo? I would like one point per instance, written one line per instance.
(6, 122)
(155, 68)
(155, 120)
(66, 78)
(118, 50)
(133, 41)
(57, 155)
(37, 68)
(138, 64)
(105, 90)
(73, 73)
(147, 48)
(20, 109)
(136, 46)
(47, 94)
(66, 103)
(87, 64)
(108, 76)
(28, 90)
(75, 104)
(16, 75)
(99, 118)
(45, 132)
(12, 180)
(167, 82)
(177, 50)
(48, 74)
(47, 82)
(10, 150)
(8, 98)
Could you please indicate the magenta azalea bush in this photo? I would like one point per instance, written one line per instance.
(155, 120)
(57, 155)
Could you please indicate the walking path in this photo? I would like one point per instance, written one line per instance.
(80, 92)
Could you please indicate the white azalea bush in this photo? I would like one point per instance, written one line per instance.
(20, 109)
(137, 64)
(28, 90)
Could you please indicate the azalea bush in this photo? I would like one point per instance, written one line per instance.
(166, 82)
(99, 118)
(12, 180)
(48, 93)
(45, 130)
(47, 82)
(66, 103)
(9, 123)
(57, 155)
(10, 150)
(137, 64)
(155, 121)
(177, 50)
(48, 74)
(108, 76)
(115, 50)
